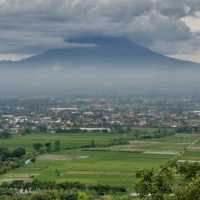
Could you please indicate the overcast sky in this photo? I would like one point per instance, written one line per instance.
(28, 27)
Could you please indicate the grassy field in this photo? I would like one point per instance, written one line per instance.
(192, 156)
(67, 140)
(115, 165)
(170, 145)
(105, 167)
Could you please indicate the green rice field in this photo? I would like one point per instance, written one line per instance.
(115, 165)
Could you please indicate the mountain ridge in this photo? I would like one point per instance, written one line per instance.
(106, 51)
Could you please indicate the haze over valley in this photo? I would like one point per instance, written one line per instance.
(101, 65)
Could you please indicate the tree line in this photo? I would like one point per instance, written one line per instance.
(47, 147)
(36, 190)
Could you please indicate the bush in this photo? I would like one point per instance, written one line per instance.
(19, 152)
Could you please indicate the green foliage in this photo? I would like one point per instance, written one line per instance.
(37, 147)
(4, 154)
(188, 169)
(189, 192)
(48, 147)
(11, 159)
(52, 191)
(144, 185)
(57, 145)
(108, 165)
(5, 134)
(82, 196)
(156, 184)
(19, 152)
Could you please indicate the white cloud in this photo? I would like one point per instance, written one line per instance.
(192, 22)
(190, 57)
(13, 57)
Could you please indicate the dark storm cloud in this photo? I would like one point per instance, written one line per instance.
(37, 25)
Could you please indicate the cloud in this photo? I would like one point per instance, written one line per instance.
(34, 26)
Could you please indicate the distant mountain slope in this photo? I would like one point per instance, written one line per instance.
(103, 51)
(100, 65)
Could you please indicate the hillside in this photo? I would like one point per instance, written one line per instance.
(102, 51)
(100, 66)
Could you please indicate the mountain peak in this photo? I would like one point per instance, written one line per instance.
(102, 40)
(106, 51)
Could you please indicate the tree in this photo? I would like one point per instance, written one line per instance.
(5, 134)
(19, 152)
(157, 184)
(4, 154)
(162, 184)
(188, 169)
(144, 185)
(37, 147)
(48, 146)
(27, 130)
(189, 192)
(93, 143)
(57, 145)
